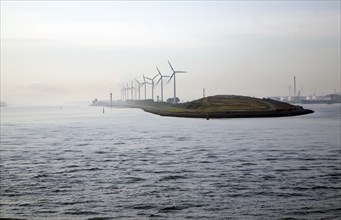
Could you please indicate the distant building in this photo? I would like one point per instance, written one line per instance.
(328, 99)
(335, 98)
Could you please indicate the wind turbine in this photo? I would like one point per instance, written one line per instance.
(132, 90)
(139, 85)
(173, 76)
(152, 79)
(145, 87)
(161, 80)
(127, 89)
(122, 94)
(125, 93)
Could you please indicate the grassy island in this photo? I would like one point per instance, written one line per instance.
(223, 106)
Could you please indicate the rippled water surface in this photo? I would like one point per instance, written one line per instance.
(78, 163)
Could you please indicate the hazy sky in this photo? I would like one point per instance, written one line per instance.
(55, 52)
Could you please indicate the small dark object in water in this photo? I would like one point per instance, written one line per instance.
(207, 117)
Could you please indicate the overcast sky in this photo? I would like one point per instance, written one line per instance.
(55, 52)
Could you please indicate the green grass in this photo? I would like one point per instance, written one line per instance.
(220, 103)
(226, 103)
(223, 106)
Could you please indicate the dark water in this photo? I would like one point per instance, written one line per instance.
(77, 163)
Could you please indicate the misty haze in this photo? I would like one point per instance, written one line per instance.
(170, 110)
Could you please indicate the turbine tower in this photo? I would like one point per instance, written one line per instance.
(132, 90)
(145, 87)
(139, 85)
(127, 89)
(123, 93)
(152, 80)
(160, 80)
(173, 76)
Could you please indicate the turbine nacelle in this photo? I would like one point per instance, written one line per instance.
(139, 84)
(151, 79)
(173, 76)
(161, 76)
(174, 72)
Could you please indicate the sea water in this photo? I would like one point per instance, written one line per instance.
(80, 163)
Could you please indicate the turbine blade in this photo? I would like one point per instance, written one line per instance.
(181, 71)
(171, 66)
(170, 78)
(158, 81)
(155, 76)
(158, 71)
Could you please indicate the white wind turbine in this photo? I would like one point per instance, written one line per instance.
(132, 90)
(126, 93)
(139, 85)
(127, 89)
(173, 76)
(152, 80)
(161, 80)
(123, 93)
(145, 87)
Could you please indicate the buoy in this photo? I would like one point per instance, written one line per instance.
(207, 117)
(103, 110)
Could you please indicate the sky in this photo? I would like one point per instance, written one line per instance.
(54, 52)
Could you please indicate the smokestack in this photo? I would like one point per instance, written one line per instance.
(294, 85)
(203, 92)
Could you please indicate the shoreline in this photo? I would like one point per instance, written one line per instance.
(232, 114)
(219, 106)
